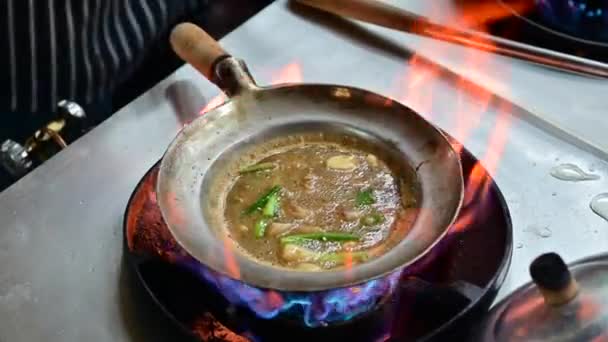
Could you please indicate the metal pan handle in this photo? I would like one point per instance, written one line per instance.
(196, 47)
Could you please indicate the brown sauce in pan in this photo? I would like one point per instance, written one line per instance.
(320, 206)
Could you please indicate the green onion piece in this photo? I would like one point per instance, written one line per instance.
(257, 167)
(261, 202)
(372, 219)
(340, 258)
(322, 236)
(272, 206)
(365, 198)
(260, 228)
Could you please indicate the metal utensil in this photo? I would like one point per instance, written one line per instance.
(382, 14)
(254, 114)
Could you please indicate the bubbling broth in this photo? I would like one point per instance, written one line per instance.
(317, 206)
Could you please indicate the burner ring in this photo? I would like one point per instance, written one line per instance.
(201, 315)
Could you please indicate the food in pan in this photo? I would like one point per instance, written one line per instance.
(317, 206)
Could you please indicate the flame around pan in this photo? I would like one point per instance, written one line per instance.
(312, 309)
(340, 305)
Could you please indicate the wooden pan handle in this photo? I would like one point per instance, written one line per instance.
(196, 47)
(370, 11)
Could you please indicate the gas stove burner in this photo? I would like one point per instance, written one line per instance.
(571, 27)
(438, 297)
(583, 21)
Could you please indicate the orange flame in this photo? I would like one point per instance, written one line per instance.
(274, 299)
(480, 13)
(416, 91)
(348, 260)
(466, 117)
(231, 264)
(291, 73)
(213, 103)
(589, 309)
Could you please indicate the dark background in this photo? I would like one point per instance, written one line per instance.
(217, 17)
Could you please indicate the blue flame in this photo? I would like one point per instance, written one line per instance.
(583, 18)
(314, 309)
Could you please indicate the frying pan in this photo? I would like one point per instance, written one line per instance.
(253, 115)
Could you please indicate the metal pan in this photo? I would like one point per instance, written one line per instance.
(254, 115)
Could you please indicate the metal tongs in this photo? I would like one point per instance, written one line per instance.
(382, 14)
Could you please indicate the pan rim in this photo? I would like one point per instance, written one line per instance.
(327, 279)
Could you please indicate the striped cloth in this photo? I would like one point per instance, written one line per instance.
(75, 49)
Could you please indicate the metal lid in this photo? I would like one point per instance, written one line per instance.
(561, 304)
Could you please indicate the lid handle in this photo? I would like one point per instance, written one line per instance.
(553, 278)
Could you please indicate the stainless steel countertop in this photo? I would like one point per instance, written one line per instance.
(568, 104)
(63, 277)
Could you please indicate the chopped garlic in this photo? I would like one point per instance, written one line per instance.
(277, 228)
(309, 229)
(295, 253)
(342, 162)
(372, 160)
(309, 182)
(297, 211)
(352, 215)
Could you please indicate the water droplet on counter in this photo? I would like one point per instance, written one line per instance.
(544, 232)
(16, 295)
(81, 202)
(519, 245)
(554, 194)
(92, 269)
(599, 205)
(572, 173)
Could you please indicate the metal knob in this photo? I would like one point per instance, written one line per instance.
(68, 125)
(15, 158)
(68, 109)
(553, 279)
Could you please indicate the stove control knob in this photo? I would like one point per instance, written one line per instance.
(69, 109)
(75, 120)
(14, 158)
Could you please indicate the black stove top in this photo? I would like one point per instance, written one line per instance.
(438, 298)
(533, 28)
